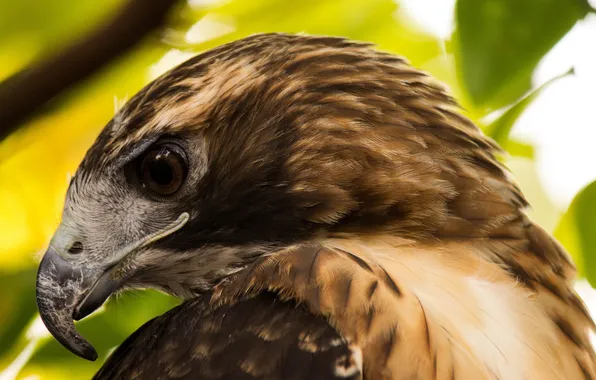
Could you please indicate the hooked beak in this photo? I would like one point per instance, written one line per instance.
(68, 290)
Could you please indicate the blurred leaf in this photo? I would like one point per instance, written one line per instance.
(501, 42)
(518, 148)
(17, 307)
(499, 130)
(577, 231)
(566, 233)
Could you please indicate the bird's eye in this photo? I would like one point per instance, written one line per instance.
(163, 170)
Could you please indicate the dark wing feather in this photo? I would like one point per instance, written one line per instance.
(257, 338)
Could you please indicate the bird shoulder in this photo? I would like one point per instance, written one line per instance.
(434, 311)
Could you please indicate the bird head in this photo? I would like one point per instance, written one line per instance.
(263, 143)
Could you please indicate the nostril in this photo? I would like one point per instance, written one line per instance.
(76, 247)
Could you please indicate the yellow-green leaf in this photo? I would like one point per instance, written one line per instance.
(577, 231)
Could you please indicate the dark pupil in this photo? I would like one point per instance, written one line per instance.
(160, 171)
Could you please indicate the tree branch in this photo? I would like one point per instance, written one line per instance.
(23, 94)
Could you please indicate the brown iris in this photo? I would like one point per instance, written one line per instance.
(163, 170)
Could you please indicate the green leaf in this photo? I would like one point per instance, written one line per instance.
(500, 42)
(577, 232)
(522, 149)
(499, 129)
(18, 289)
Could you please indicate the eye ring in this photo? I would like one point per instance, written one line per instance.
(163, 169)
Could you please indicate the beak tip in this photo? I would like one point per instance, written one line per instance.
(56, 291)
(90, 354)
(85, 351)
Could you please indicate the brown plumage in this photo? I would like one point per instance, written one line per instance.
(339, 217)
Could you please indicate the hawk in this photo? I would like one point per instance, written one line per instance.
(326, 212)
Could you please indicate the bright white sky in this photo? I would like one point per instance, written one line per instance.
(561, 123)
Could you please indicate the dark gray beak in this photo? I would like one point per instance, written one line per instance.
(68, 291)
(71, 286)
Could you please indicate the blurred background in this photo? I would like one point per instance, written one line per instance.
(525, 71)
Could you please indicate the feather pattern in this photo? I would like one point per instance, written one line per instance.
(429, 311)
(258, 338)
(344, 182)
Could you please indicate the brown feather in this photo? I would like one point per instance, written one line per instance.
(453, 314)
(248, 340)
(405, 232)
